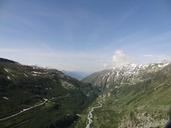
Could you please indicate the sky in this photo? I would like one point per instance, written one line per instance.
(85, 35)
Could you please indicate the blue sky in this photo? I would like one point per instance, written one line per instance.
(84, 35)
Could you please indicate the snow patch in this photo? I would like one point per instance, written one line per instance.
(8, 78)
(36, 73)
(6, 70)
(25, 75)
(5, 98)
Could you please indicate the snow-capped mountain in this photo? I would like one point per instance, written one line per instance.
(139, 94)
(125, 74)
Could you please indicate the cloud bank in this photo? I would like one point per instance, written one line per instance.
(120, 58)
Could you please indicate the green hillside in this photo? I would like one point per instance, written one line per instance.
(144, 104)
(129, 97)
(44, 98)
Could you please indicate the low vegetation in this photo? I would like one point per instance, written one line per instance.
(23, 86)
(144, 104)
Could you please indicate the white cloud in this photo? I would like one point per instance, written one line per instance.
(151, 58)
(148, 55)
(120, 58)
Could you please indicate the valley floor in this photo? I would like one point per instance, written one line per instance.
(128, 110)
(90, 113)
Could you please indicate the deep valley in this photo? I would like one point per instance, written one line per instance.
(131, 96)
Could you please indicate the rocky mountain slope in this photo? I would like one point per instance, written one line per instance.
(35, 97)
(136, 96)
(128, 74)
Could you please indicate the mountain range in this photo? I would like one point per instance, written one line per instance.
(127, 96)
(76, 74)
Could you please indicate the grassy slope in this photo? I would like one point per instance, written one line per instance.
(23, 89)
(145, 104)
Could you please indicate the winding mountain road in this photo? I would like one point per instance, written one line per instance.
(24, 110)
(32, 107)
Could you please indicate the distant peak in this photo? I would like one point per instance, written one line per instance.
(132, 67)
(125, 66)
(3, 60)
